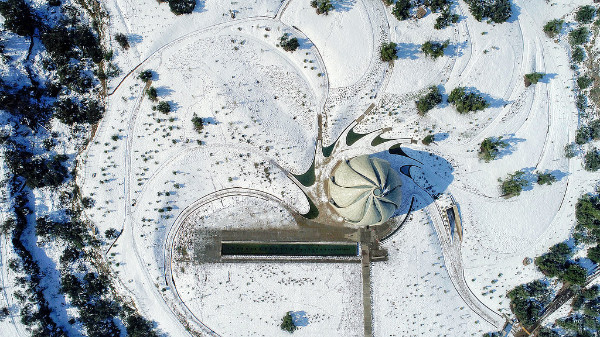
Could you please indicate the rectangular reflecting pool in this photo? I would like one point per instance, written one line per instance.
(289, 249)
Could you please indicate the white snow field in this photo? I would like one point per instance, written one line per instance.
(147, 170)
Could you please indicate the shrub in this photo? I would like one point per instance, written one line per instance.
(578, 54)
(585, 14)
(445, 19)
(145, 75)
(428, 139)
(164, 107)
(553, 27)
(513, 184)
(322, 6)
(533, 78)
(198, 123)
(287, 323)
(584, 81)
(465, 101)
(594, 128)
(402, 9)
(288, 44)
(582, 135)
(152, 94)
(388, 52)
(497, 10)
(591, 161)
(581, 102)
(579, 36)
(428, 101)
(434, 49)
(122, 40)
(545, 178)
(489, 149)
(179, 7)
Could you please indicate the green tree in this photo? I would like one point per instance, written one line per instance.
(163, 107)
(497, 11)
(145, 75)
(579, 36)
(428, 101)
(591, 161)
(584, 81)
(445, 19)
(594, 254)
(152, 94)
(428, 140)
(402, 9)
(513, 184)
(489, 149)
(578, 55)
(465, 101)
(574, 274)
(179, 7)
(288, 44)
(585, 14)
(434, 49)
(18, 17)
(553, 27)
(287, 323)
(545, 178)
(388, 52)
(198, 123)
(322, 6)
(122, 40)
(533, 78)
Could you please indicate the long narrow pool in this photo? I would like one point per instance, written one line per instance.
(289, 248)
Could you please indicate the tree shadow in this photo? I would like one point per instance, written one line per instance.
(343, 5)
(134, 39)
(299, 318)
(547, 77)
(408, 51)
(455, 49)
(164, 91)
(440, 136)
(199, 7)
(511, 143)
(493, 101)
(516, 10)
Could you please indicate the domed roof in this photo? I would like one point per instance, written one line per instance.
(365, 191)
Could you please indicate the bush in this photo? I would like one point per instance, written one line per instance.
(579, 36)
(145, 75)
(489, 149)
(388, 52)
(582, 135)
(287, 323)
(152, 94)
(581, 102)
(578, 55)
(402, 9)
(466, 102)
(513, 184)
(122, 40)
(445, 19)
(585, 14)
(553, 27)
(70, 112)
(584, 81)
(591, 161)
(428, 139)
(545, 178)
(497, 10)
(428, 101)
(533, 78)
(434, 49)
(164, 107)
(322, 6)
(198, 123)
(179, 7)
(288, 44)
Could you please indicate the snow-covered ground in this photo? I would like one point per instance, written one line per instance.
(144, 168)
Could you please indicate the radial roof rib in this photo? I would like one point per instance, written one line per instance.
(392, 180)
(345, 176)
(382, 169)
(386, 209)
(355, 211)
(344, 196)
(363, 166)
(394, 196)
(371, 216)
